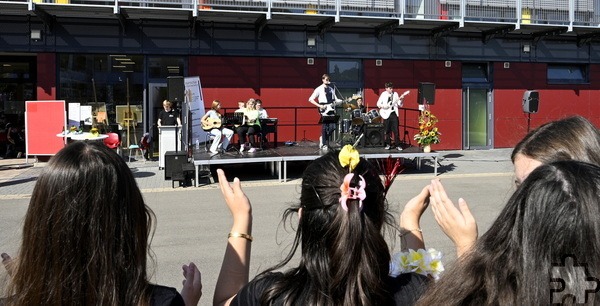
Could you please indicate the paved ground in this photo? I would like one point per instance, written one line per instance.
(192, 223)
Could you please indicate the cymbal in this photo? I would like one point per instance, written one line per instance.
(349, 105)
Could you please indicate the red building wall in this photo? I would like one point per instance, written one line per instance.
(288, 82)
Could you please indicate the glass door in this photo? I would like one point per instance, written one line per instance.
(477, 118)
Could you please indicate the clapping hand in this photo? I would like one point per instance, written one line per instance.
(458, 224)
(192, 284)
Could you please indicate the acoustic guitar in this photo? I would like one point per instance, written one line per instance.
(211, 123)
(387, 111)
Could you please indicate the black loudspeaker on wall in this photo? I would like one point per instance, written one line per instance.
(531, 101)
(176, 88)
(374, 136)
(426, 94)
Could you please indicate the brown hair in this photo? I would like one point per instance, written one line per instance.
(85, 235)
(215, 105)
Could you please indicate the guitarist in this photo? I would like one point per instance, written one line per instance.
(212, 121)
(388, 104)
(324, 98)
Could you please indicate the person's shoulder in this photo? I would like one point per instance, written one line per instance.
(251, 293)
(407, 288)
(165, 296)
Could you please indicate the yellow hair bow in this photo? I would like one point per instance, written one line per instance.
(349, 157)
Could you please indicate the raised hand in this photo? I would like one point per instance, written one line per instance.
(9, 263)
(458, 224)
(235, 198)
(192, 284)
(410, 220)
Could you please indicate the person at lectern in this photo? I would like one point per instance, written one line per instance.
(325, 99)
(168, 116)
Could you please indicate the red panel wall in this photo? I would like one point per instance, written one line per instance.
(46, 76)
(556, 101)
(288, 82)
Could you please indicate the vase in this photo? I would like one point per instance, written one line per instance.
(427, 148)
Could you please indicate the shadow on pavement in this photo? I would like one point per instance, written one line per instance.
(17, 181)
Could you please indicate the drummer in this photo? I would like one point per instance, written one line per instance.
(360, 105)
(358, 109)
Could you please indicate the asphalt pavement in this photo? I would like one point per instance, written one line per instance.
(193, 222)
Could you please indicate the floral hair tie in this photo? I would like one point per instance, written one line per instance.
(353, 193)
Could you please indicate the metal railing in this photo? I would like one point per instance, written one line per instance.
(581, 13)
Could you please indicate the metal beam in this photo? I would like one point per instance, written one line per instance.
(193, 21)
(537, 36)
(440, 31)
(46, 18)
(325, 25)
(260, 24)
(386, 28)
(586, 38)
(489, 34)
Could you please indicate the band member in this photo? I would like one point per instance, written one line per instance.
(360, 105)
(388, 104)
(262, 113)
(213, 119)
(168, 116)
(324, 98)
(250, 127)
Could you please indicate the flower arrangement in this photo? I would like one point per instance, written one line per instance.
(428, 131)
(424, 262)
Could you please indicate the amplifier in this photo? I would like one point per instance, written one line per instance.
(174, 160)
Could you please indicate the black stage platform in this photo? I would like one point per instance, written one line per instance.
(277, 158)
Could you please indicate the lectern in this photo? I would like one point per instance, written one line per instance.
(168, 141)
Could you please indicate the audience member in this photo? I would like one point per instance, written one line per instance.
(572, 138)
(147, 145)
(85, 238)
(344, 258)
(250, 127)
(548, 231)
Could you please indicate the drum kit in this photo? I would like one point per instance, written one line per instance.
(352, 128)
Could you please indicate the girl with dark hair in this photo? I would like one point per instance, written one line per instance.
(546, 234)
(345, 259)
(571, 138)
(86, 237)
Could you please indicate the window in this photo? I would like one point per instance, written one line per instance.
(568, 74)
(475, 73)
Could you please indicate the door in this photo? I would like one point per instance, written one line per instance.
(157, 93)
(477, 118)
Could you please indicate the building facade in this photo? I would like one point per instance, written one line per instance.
(482, 56)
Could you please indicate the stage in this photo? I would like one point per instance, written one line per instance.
(278, 158)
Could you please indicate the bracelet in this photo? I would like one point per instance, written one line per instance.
(240, 235)
(408, 231)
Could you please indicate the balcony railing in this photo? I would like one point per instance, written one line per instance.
(579, 13)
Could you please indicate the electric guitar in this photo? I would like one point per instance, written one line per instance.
(387, 111)
(329, 109)
(211, 123)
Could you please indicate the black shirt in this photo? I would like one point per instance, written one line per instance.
(168, 118)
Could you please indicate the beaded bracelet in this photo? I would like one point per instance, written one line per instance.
(240, 235)
(408, 231)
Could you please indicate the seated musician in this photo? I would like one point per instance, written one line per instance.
(360, 105)
(212, 121)
(262, 113)
(241, 107)
(250, 127)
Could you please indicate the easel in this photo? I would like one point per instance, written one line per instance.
(130, 120)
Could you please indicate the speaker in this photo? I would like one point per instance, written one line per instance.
(174, 160)
(531, 100)
(175, 88)
(426, 94)
(374, 136)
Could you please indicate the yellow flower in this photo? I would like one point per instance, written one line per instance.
(428, 124)
(431, 133)
(426, 113)
(349, 157)
(425, 133)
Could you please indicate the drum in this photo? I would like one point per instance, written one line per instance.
(346, 125)
(373, 114)
(377, 120)
(358, 121)
(356, 113)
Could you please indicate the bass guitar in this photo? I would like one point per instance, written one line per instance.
(211, 123)
(385, 112)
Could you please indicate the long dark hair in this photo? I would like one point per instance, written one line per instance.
(344, 256)
(552, 215)
(570, 138)
(85, 235)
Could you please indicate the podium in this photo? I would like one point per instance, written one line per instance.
(168, 141)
